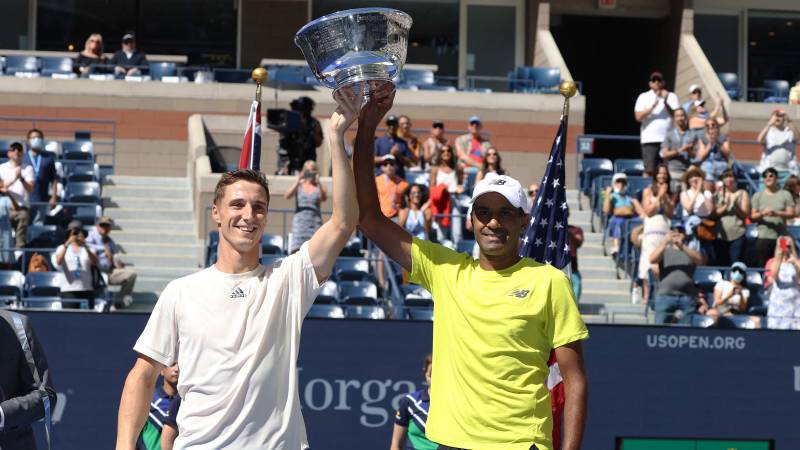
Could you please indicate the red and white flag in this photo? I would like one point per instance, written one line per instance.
(250, 157)
(556, 386)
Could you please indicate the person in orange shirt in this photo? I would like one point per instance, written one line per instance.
(391, 187)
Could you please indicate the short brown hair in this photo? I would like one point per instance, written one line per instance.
(228, 178)
(427, 363)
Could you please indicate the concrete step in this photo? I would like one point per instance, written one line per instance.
(630, 319)
(595, 318)
(124, 180)
(125, 237)
(164, 274)
(625, 309)
(165, 226)
(603, 273)
(171, 247)
(162, 260)
(146, 202)
(606, 296)
(605, 283)
(149, 213)
(144, 191)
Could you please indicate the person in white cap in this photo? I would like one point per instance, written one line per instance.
(496, 320)
(619, 206)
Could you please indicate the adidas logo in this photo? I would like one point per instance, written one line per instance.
(519, 293)
(237, 292)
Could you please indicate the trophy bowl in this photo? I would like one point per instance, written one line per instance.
(353, 47)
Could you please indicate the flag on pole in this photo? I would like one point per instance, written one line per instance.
(546, 240)
(250, 157)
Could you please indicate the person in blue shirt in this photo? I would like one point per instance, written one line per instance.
(619, 206)
(45, 178)
(409, 421)
(163, 395)
(392, 144)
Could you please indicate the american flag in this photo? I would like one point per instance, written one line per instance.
(250, 157)
(546, 239)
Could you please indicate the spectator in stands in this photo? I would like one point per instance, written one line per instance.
(309, 194)
(414, 145)
(731, 208)
(619, 207)
(16, 184)
(731, 296)
(658, 205)
(471, 147)
(492, 163)
(779, 138)
(575, 238)
(653, 110)
(128, 59)
(434, 142)
(698, 206)
(91, 56)
(533, 191)
(678, 148)
(783, 311)
(391, 187)
(698, 115)
(794, 94)
(414, 214)
(412, 413)
(695, 94)
(713, 154)
(38, 263)
(792, 186)
(45, 186)
(675, 297)
(109, 262)
(447, 180)
(770, 209)
(75, 260)
(392, 144)
(163, 395)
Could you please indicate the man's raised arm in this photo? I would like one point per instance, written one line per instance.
(326, 244)
(389, 236)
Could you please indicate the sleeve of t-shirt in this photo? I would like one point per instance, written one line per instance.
(159, 340)
(756, 202)
(641, 103)
(172, 417)
(27, 174)
(427, 258)
(672, 101)
(565, 324)
(401, 417)
(301, 278)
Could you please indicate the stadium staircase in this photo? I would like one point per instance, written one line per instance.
(604, 298)
(154, 225)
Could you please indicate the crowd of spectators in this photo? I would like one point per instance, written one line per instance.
(696, 212)
(127, 61)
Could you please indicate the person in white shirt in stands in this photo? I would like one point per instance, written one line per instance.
(16, 184)
(654, 111)
(234, 328)
(779, 138)
(75, 260)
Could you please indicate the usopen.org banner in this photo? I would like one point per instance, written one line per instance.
(643, 381)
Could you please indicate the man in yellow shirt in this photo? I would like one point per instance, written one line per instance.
(496, 318)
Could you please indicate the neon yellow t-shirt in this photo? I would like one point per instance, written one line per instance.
(492, 336)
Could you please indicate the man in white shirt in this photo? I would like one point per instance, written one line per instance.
(16, 184)
(654, 111)
(234, 328)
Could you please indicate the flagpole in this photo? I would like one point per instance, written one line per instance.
(568, 89)
(260, 76)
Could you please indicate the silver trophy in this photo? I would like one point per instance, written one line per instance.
(356, 48)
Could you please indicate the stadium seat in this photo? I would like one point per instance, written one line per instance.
(21, 64)
(417, 77)
(364, 312)
(630, 167)
(326, 312)
(48, 302)
(700, 321)
(465, 246)
(272, 244)
(592, 168)
(159, 70)
(328, 293)
(518, 80)
(87, 214)
(730, 81)
(416, 296)
(352, 248)
(12, 285)
(44, 236)
(545, 80)
(637, 184)
(81, 171)
(54, 65)
(77, 151)
(425, 314)
(232, 75)
(83, 192)
(43, 284)
(706, 277)
(776, 91)
(351, 269)
(740, 321)
(358, 293)
(417, 177)
(83, 135)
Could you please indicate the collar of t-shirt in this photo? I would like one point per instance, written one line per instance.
(128, 55)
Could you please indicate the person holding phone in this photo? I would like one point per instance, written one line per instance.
(75, 260)
(784, 297)
(731, 296)
(309, 194)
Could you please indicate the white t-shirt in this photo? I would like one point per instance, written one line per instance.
(16, 190)
(699, 207)
(76, 270)
(725, 287)
(236, 339)
(655, 125)
(779, 147)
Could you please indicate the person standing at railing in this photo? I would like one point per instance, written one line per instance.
(732, 208)
(678, 148)
(653, 110)
(45, 185)
(414, 145)
(770, 209)
(92, 55)
(128, 59)
(779, 138)
(434, 142)
(472, 147)
(16, 184)
(309, 194)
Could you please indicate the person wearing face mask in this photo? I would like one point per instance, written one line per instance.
(620, 206)
(731, 296)
(45, 178)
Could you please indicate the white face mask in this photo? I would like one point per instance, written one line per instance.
(737, 277)
(36, 143)
(620, 190)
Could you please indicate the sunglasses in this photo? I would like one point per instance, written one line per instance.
(439, 126)
(712, 126)
(388, 163)
(769, 175)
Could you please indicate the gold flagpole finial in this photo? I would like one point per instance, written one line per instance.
(568, 89)
(260, 76)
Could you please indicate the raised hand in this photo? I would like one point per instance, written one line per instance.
(380, 102)
(347, 111)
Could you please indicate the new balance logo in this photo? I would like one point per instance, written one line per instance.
(519, 293)
(237, 292)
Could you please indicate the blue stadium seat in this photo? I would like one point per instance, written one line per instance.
(518, 80)
(545, 79)
(272, 244)
(17, 63)
(417, 177)
(351, 269)
(592, 168)
(352, 248)
(43, 284)
(83, 192)
(700, 321)
(637, 184)
(425, 314)
(465, 246)
(364, 312)
(417, 77)
(706, 277)
(87, 214)
(738, 321)
(776, 91)
(77, 151)
(630, 167)
(81, 171)
(56, 65)
(358, 293)
(326, 312)
(730, 81)
(328, 293)
(159, 70)
(48, 302)
(12, 285)
(44, 236)
(232, 75)
(416, 296)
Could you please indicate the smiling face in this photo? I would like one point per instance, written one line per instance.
(445, 154)
(498, 224)
(241, 215)
(405, 125)
(679, 116)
